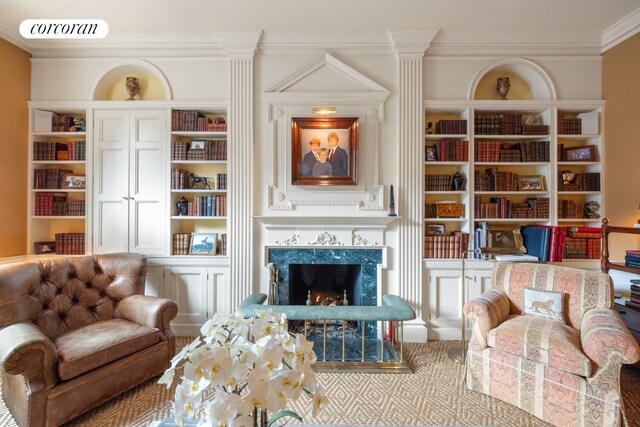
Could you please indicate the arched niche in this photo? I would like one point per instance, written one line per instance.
(528, 81)
(109, 86)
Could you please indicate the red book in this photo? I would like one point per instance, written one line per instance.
(562, 235)
(586, 229)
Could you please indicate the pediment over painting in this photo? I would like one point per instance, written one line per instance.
(326, 74)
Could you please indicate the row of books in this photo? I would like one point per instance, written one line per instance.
(56, 204)
(550, 243)
(569, 126)
(70, 243)
(65, 123)
(446, 246)
(498, 124)
(451, 127)
(208, 206)
(202, 149)
(634, 294)
(441, 182)
(569, 209)
(589, 181)
(449, 151)
(195, 121)
(181, 180)
(52, 150)
(632, 258)
(494, 180)
(49, 178)
(501, 207)
(498, 151)
(181, 244)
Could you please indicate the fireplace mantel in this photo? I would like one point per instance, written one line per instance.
(361, 221)
(364, 230)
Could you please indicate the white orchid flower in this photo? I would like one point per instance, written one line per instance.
(276, 400)
(307, 376)
(257, 396)
(319, 401)
(271, 358)
(243, 421)
(304, 349)
(289, 383)
(215, 364)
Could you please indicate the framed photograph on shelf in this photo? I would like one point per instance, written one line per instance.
(530, 183)
(41, 248)
(73, 182)
(324, 150)
(430, 154)
(505, 239)
(435, 229)
(196, 144)
(585, 153)
(203, 243)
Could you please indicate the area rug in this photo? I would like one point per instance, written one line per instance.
(432, 395)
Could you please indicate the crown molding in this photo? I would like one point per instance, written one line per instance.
(502, 44)
(436, 43)
(131, 46)
(15, 39)
(621, 30)
(305, 43)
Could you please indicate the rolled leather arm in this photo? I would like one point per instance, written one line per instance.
(149, 311)
(487, 311)
(604, 334)
(25, 350)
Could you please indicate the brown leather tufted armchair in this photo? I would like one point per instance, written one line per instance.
(77, 331)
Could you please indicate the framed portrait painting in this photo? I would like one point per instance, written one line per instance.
(324, 150)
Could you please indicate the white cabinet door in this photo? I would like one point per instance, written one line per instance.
(190, 288)
(129, 202)
(445, 303)
(111, 181)
(147, 219)
(445, 315)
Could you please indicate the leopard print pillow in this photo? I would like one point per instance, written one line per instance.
(547, 304)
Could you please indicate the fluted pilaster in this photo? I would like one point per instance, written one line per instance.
(410, 48)
(410, 188)
(241, 47)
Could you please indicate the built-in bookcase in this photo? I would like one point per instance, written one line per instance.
(57, 181)
(523, 163)
(198, 175)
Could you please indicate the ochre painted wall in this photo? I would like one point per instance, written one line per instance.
(15, 91)
(621, 91)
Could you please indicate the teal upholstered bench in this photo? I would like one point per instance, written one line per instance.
(381, 353)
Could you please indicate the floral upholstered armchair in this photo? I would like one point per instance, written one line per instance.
(545, 339)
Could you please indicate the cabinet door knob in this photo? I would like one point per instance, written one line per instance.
(124, 198)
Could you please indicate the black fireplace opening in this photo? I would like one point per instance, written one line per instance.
(325, 284)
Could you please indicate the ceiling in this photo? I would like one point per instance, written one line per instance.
(461, 22)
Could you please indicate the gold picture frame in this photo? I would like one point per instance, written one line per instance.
(322, 134)
(530, 183)
(504, 239)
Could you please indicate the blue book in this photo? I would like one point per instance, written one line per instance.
(536, 240)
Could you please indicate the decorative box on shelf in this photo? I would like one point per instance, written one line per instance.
(449, 210)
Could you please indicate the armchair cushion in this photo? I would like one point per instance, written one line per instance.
(97, 344)
(542, 340)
